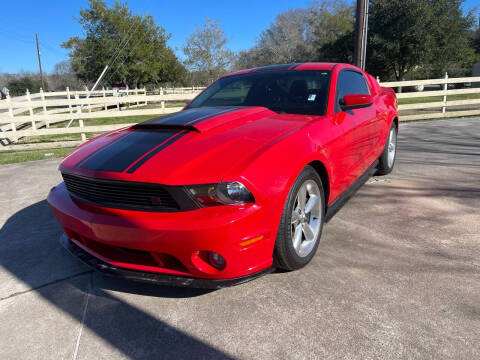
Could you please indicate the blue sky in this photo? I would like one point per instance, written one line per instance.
(54, 21)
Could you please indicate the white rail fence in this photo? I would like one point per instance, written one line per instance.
(34, 114)
(435, 103)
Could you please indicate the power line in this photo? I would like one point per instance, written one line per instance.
(18, 37)
(123, 62)
(126, 43)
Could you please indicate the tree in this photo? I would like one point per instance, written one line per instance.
(339, 50)
(332, 23)
(63, 76)
(206, 51)
(476, 40)
(298, 35)
(250, 58)
(399, 36)
(136, 42)
(418, 38)
(18, 86)
(286, 40)
(452, 51)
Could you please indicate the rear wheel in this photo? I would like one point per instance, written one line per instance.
(302, 222)
(386, 161)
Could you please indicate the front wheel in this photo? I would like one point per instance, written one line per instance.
(302, 222)
(387, 159)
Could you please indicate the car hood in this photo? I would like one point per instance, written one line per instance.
(193, 146)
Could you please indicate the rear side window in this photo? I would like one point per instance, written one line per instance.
(350, 82)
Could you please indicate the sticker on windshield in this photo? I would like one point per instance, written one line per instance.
(312, 97)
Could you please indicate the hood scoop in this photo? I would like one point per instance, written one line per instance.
(199, 119)
(162, 127)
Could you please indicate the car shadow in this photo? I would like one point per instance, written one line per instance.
(31, 252)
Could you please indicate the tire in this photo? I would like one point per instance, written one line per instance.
(386, 161)
(301, 226)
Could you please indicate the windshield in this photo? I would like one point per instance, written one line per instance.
(292, 92)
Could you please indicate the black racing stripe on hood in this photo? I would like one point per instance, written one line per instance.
(155, 151)
(294, 66)
(120, 155)
(223, 112)
(79, 163)
(279, 67)
(186, 117)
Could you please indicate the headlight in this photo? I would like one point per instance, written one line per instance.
(221, 194)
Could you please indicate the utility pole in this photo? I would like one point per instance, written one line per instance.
(361, 29)
(39, 62)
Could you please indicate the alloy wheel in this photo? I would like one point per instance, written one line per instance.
(392, 145)
(306, 218)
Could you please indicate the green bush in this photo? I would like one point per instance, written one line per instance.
(18, 87)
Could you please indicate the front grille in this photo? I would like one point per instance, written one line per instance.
(121, 194)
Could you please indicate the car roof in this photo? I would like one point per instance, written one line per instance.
(291, 67)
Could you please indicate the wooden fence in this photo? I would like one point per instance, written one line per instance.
(33, 114)
(437, 102)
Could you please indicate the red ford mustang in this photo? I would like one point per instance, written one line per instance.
(238, 183)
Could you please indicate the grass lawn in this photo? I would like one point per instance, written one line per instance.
(107, 121)
(88, 122)
(21, 156)
(438, 99)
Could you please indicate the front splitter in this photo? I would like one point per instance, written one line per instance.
(148, 277)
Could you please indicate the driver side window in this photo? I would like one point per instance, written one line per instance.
(349, 82)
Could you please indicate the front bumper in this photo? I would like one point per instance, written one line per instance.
(156, 278)
(167, 247)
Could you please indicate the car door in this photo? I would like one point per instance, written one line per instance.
(357, 124)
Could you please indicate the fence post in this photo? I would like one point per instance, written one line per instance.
(378, 79)
(69, 100)
(104, 96)
(77, 100)
(80, 123)
(89, 103)
(445, 88)
(115, 93)
(163, 100)
(10, 114)
(70, 108)
(30, 109)
(136, 95)
(44, 106)
(145, 93)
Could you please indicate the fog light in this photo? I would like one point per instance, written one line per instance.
(216, 260)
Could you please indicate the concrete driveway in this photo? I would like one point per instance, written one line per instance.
(397, 275)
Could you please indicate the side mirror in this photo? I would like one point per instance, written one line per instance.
(355, 101)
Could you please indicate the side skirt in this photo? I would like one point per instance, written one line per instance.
(347, 194)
